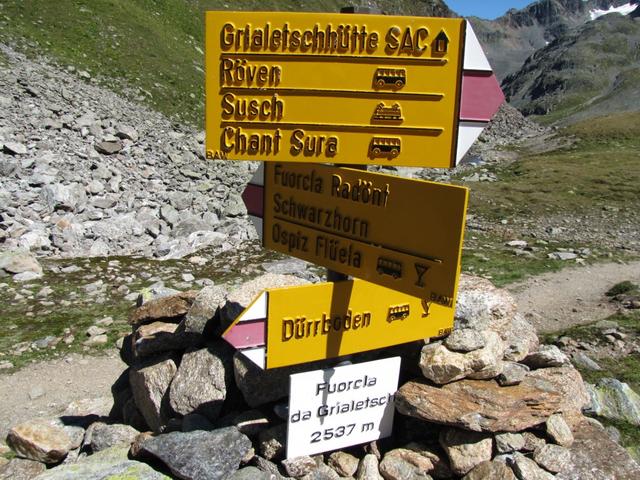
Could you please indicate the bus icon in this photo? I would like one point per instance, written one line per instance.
(389, 267)
(399, 312)
(390, 77)
(385, 147)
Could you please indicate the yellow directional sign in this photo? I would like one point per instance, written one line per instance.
(312, 87)
(328, 320)
(400, 233)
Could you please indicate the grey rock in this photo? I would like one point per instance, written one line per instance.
(158, 337)
(343, 463)
(150, 384)
(481, 306)
(14, 148)
(368, 469)
(611, 398)
(440, 365)
(546, 356)
(180, 200)
(562, 256)
(509, 442)
(199, 384)
(400, 464)
(582, 360)
(465, 450)
(203, 309)
(112, 463)
(235, 206)
(251, 422)
(200, 455)
(532, 442)
(96, 340)
(494, 470)
(250, 473)
(94, 330)
(26, 276)
(105, 436)
(520, 337)
(552, 457)
(169, 214)
(109, 147)
(19, 261)
(527, 469)
(154, 292)
(299, 466)
(464, 340)
(559, 431)
(594, 456)
(64, 197)
(88, 410)
(322, 472)
(512, 374)
(21, 469)
(127, 132)
(272, 442)
(39, 440)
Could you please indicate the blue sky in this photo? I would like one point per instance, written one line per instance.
(489, 9)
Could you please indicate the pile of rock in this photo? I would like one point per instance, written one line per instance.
(487, 402)
(86, 172)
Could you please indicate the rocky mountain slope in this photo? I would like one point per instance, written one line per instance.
(85, 172)
(512, 38)
(590, 71)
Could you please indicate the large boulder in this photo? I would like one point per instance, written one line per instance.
(40, 440)
(465, 450)
(199, 385)
(441, 365)
(481, 306)
(595, 456)
(168, 309)
(200, 455)
(112, 463)
(150, 385)
(480, 405)
(19, 261)
(611, 398)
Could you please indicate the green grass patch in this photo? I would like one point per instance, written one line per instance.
(603, 130)
(488, 256)
(27, 316)
(152, 45)
(568, 182)
(627, 368)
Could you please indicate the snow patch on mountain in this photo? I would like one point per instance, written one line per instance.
(625, 9)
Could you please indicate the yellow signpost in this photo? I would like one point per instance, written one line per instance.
(328, 320)
(400, 233)
(315, 87)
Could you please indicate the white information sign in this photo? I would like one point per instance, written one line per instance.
(342, 406)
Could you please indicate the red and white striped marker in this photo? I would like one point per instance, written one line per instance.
(249, 332)
(481, 95)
